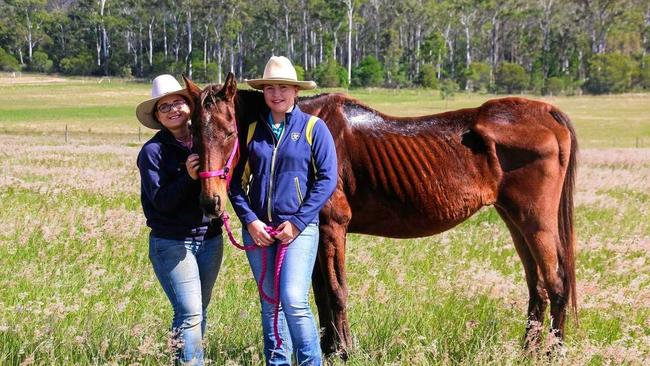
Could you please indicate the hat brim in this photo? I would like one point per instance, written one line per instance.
(259, 83)
(145, 113)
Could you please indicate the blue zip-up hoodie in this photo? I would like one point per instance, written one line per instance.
(169, 196)
(283, 173)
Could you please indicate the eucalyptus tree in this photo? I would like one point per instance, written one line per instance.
(645, 28)
(600, 16)
(449, 34)
(414, 11)
(29, 16)
(467, 13)
(372, 29)
(351, 7)
(392, 44)
(306, 21)
(213, 20)
(106, 17)
(102, 39)
(546, 20)
(11, 41)
(333, 18)
(59, 28)
(138, 19)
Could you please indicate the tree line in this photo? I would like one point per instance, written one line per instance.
(509, 46)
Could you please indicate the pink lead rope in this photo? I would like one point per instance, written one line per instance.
(279, 259)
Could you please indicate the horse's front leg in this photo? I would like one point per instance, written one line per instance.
(331, 288)
(321, 297)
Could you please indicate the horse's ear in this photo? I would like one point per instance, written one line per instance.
(230, 86)
(192, 89)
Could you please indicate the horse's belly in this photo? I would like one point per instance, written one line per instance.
(430, 193)
(409, 219)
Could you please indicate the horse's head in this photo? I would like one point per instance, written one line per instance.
(214, 128)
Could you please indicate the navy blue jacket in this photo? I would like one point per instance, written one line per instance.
(276, 180)
(169, 196)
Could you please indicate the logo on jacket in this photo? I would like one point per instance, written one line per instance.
(295, 136)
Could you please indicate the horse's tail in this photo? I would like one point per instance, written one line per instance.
(565, 214)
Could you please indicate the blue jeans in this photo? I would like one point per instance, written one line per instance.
(295, 317)
(187, 271)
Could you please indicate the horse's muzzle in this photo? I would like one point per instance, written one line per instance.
(211, 206)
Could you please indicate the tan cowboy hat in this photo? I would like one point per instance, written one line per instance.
(162, 85)
(279, 70)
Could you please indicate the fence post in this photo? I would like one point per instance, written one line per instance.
(66, 133)
(139, 133)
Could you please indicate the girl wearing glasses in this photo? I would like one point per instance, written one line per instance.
(185, 247)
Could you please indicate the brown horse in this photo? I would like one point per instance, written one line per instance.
(418, 176)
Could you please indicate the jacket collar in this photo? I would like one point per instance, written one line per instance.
(168, 138)
(289, 117)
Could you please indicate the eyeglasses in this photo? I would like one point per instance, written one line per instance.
(166, 107)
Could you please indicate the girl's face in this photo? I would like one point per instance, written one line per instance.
(173, 112)
(280, 97)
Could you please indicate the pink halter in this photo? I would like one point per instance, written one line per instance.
(222, 173)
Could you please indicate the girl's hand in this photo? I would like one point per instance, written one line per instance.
(287, 232)
(192, 165)
(257, 230)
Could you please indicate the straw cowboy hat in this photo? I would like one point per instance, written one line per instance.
(162, 85)
(279, 70)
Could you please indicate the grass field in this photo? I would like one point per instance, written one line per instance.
(76, 286)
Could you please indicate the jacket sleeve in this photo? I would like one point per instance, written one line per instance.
(239, 187)
(165, 192)
(326, 176)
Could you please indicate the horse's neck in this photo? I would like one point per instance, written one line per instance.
(249, 105)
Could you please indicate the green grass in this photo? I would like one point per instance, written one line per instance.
(76, 285)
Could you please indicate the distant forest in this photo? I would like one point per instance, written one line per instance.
(504, 46)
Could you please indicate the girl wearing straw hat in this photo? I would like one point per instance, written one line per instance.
(294, 172)
(185, 247)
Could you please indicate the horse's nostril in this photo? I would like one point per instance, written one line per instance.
(217, 200)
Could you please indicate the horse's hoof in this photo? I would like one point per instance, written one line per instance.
(557, 350)
(343, 355)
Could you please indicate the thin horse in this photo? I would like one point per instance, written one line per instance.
(418, 176)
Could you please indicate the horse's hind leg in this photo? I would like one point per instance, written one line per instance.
(544, 245)
(321, 297)
(537, 300)
(336, 334)
(533, 209)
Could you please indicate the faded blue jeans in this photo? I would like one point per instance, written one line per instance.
(187, 271)
(296, 323)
